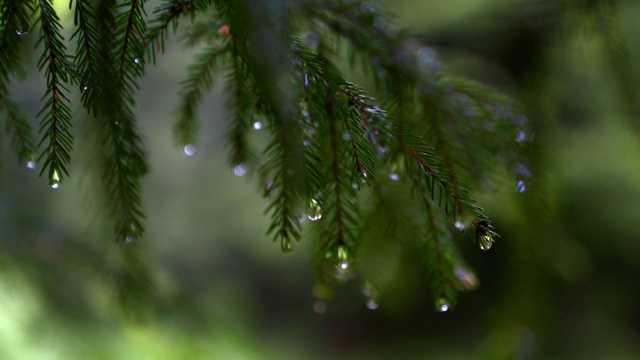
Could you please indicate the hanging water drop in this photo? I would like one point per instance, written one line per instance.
(189, 150)
(521, 136)
(21, 33)
(240, 169)
(485, 242)
(136, 60)
(286, 246)
(257, 125)
(315, 212)
(343, 258)
(55, 180)
(372, 304)
(31, 164)
(394, 177)
(459, 225)
(520, 186)
(85, 88)
(442, 305)
(128, 239)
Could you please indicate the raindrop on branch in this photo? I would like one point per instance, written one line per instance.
(394, 177)
(257, 125)
(240, 169)
(136, 60)
(55, 180)
(520, 186)
(315, 212)
(21, 33)
(189, 150)
(442, 305)
(459, 225)
(31, 164)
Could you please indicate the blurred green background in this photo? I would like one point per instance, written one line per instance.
(563, 281)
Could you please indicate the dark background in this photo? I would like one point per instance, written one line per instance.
(561, 283)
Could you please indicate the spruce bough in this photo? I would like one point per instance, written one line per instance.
(368, 173)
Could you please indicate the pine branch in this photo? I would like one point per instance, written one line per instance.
(199, 79)
(285, 223)
(55, 125)
(425, 164)
(19, 130)
(239, 106)
(167, 15)
(439, 254)
(14, 24)
(87, 57)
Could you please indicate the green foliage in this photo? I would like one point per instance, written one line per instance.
(331, 146)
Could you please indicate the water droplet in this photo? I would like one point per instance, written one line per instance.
(189, 150)
(85, 88)
(136, 60)
(394, 177)
(520, 186)
(346, 136)
(240, 169)
(286, 246)
(128, 239)
(442, 305)
(319, 307)
(372, 304)
(343, 258)
(382, 149)
(31, 164)
(459, 225)
(485, 242)
(354, 185)
(257, 125)
(521, 136)
(55, 180)
(21, 33)
(315, 212)
(305, 142)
